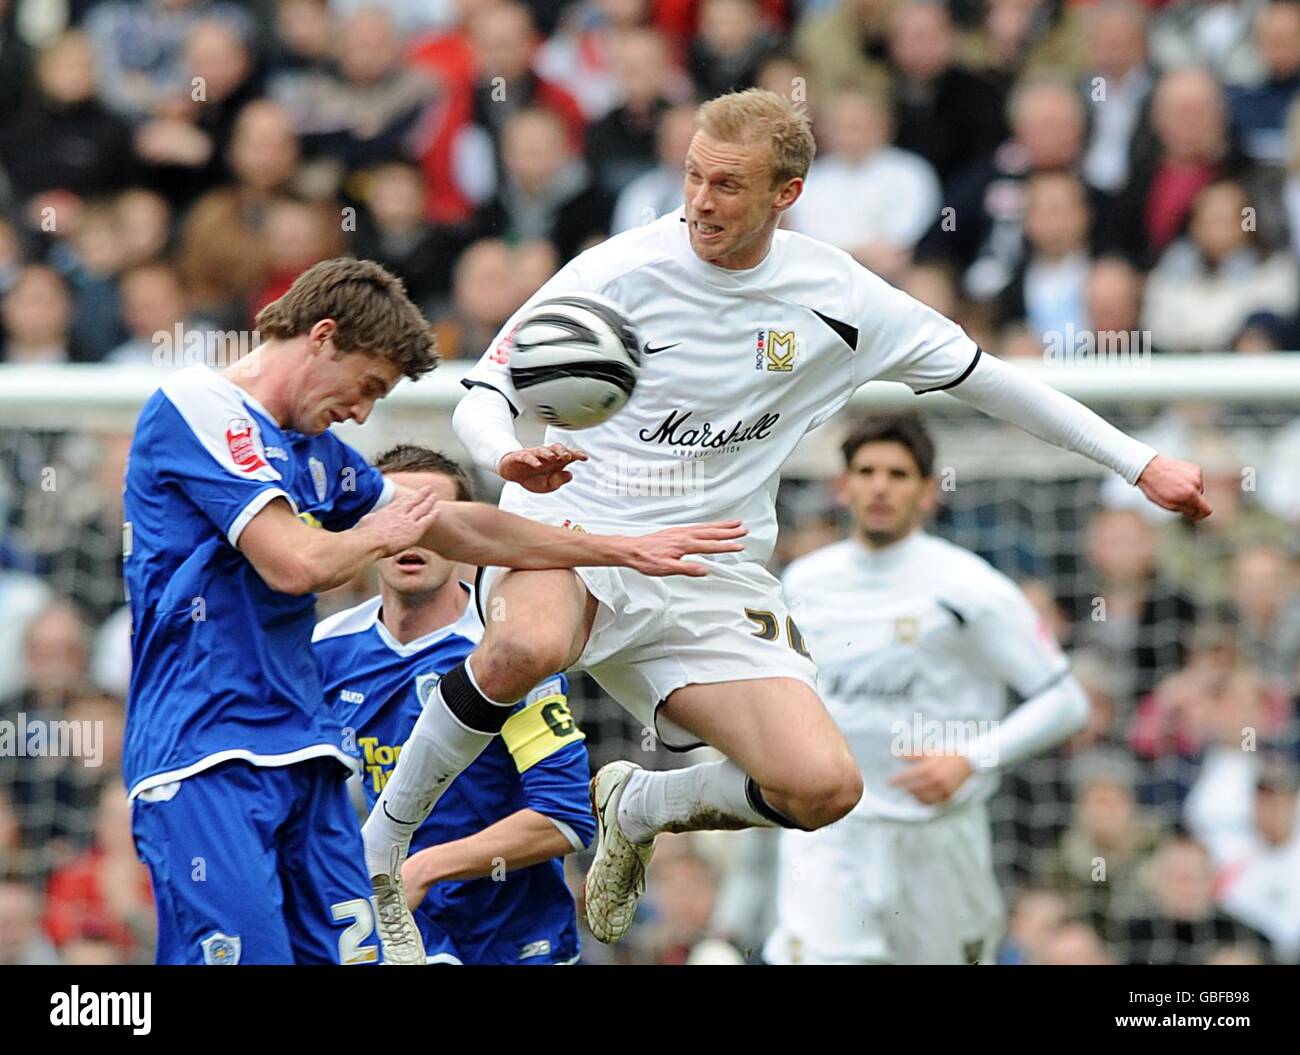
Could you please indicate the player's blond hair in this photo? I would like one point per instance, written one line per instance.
(757, 115)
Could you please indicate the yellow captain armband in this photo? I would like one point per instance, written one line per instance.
(309, 520)
(539, 730)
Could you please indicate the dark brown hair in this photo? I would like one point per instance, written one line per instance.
(411, 458)
(370, 307)
(906, 429)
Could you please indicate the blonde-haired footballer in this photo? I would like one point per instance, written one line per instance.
(753, 336)
(918, 644)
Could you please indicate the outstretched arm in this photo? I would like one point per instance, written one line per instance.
(897, 338)
(296, 559)
(482, 534)
(999, 389)
(484, 424)
(524, 838)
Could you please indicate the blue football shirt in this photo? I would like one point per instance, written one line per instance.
(222, 665)
(379, 686)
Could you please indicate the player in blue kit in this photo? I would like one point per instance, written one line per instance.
(489, 855)
(233, 762)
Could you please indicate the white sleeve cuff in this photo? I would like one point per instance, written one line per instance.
(568, 833)
(484, 425)
(388, 493)
(260, 501)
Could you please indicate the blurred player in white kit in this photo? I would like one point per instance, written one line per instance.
(917, 644)
(752, 336)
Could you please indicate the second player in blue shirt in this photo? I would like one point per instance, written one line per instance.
(490, 854)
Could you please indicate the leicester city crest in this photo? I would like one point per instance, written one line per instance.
(317, 477)
(424, 686)
(221, 949)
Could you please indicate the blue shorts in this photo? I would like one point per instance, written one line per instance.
(259, 864)
(465, 922)
(441, 948)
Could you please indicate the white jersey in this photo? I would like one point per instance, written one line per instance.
(909, 639)
(737, 366)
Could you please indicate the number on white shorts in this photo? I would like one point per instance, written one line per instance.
(769, 629)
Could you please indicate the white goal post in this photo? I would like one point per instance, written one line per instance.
(108, 398)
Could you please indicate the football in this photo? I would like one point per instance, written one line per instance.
(574, 360)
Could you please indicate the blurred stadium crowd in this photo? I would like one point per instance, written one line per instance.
(1034, 169)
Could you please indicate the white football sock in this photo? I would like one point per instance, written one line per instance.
(438, 749)
(697, 798)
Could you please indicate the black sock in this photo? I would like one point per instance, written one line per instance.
(470, 706)
(755, 795)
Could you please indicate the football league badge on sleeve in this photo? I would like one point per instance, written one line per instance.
(906, 627)
(242, 446)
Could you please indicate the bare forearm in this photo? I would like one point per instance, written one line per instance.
(335, 557)
(296, 559)
(481, 534)
(518, 841)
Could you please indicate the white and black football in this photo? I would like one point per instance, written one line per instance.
(574, 359)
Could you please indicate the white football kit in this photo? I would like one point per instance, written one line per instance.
(916, 645)
(736, 367)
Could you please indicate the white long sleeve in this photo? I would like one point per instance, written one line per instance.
(1001, 391)
(1041, 722)
(1009, 639)
(485, 425)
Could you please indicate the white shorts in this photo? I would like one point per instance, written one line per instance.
(651, 636)
(864, 890)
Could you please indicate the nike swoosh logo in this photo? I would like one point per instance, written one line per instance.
(648, 350)
(408, 824)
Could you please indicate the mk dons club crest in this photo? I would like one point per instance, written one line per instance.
(905, 629)
(775, 351)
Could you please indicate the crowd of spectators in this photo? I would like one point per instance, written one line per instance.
(1021, 164)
